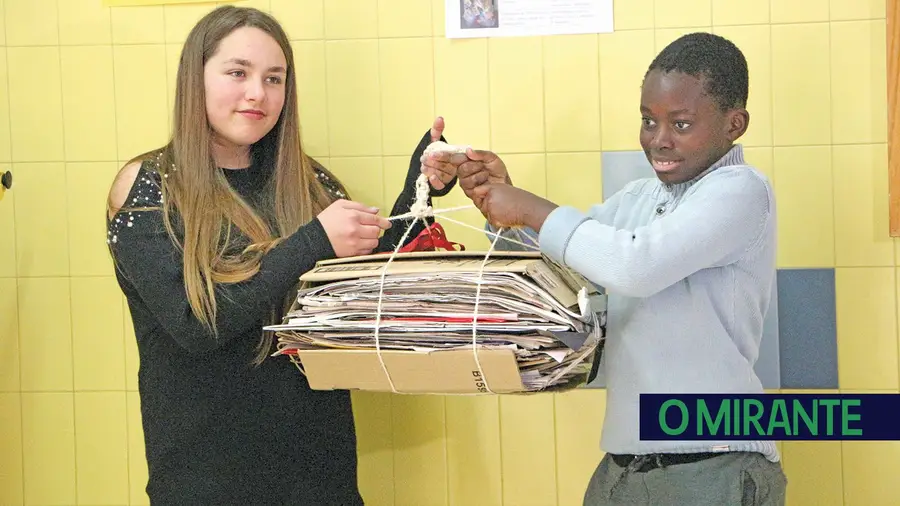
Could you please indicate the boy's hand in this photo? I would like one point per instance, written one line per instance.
(504, 205)
(479, 168)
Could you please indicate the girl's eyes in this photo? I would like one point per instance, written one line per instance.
(241, 74)
(682, 125)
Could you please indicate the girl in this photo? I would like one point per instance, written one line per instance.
(209, 235)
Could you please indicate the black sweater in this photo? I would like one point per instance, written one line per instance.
(218, 430)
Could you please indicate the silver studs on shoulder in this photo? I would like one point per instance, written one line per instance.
(145, 192)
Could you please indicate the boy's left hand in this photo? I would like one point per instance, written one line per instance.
(504, 205)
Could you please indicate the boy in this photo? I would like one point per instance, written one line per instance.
(688, 261)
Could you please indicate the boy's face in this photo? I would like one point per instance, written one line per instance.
(683, 130)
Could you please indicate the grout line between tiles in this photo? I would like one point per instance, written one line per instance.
(490, 134)
(15, 266)
(543, 46)
(68, 259)
(325, 77)
(170, 126)
(831, 144)
(323, 155)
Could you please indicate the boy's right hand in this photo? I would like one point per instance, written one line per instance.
(481, 167)
(352, 228)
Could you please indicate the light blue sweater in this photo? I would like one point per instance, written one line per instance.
(688, 269)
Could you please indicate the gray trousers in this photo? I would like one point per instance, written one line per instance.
(732, 479)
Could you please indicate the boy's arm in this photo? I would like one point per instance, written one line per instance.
(724, 217)
(603, 213)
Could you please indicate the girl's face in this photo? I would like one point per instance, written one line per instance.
(245, 87)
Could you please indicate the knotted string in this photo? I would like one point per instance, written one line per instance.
(420, 210)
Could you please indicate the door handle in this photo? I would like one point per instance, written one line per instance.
(6, 181)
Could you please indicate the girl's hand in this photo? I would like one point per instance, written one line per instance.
(352, 228)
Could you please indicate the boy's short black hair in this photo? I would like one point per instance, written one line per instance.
(713, 59)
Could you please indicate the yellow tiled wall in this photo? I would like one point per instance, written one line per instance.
(85, 87)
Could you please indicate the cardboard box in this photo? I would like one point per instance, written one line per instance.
(442, 372)
(446, 371)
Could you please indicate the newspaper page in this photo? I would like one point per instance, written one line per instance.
(511, 18)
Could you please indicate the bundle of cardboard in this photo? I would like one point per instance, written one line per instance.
(539, 326)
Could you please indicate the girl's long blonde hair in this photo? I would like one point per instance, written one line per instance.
(199, 198)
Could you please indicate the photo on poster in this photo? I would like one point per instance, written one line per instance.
(478, 14)
(523, 18)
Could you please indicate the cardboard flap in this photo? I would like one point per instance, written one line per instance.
(418, 255)
(438, 372)
(374, 267)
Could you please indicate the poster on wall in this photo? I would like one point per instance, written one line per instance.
(132, 3)
(517, 18)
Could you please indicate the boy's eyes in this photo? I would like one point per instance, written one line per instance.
(679, 125)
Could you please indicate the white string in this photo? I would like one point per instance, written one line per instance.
(478, 283)
(420, 207)
(380, 298)
(492, 234)
(420, 210)
(431, 212)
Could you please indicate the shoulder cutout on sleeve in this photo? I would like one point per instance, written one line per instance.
(136, 189)
(121, 187)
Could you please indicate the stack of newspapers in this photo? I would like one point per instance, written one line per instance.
(539, 326)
